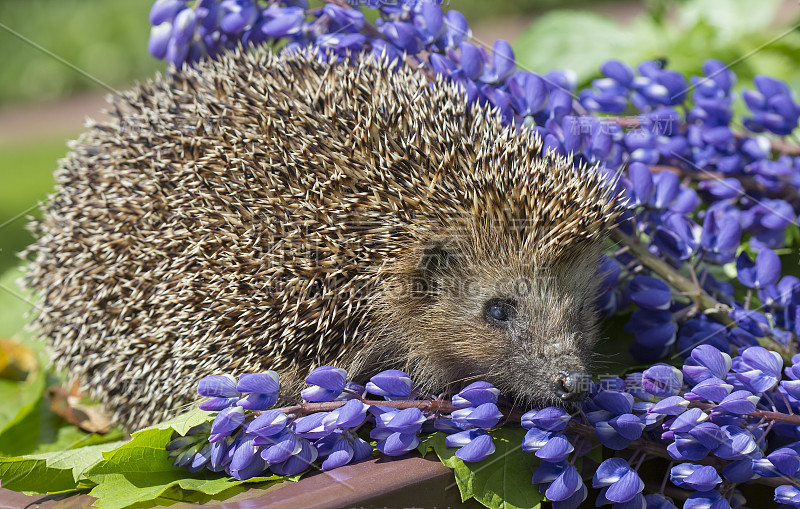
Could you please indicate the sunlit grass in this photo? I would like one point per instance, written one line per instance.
(27, 179)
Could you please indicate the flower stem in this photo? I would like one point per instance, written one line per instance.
(710, 306)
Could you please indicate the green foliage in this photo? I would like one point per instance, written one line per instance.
(105, 39)
(737, 32)
(42, 453)
(51, 472)
(122, 474)
(501, 481)
(139, 472)
(27, 424)
(27, 179)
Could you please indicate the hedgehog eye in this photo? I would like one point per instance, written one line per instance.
(499, 311)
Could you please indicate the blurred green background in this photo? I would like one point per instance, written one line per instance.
(44, 99)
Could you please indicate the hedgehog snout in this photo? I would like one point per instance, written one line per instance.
(571, 385)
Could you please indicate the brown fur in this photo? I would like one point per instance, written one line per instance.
(279, 212)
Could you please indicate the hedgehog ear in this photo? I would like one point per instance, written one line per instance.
(437, 260)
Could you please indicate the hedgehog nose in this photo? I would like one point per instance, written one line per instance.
(571, 385)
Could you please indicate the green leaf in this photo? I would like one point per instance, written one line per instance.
(142, 489)
(501, 481)
(42, 430)
(51, 472)
(426, 444)
(730, 19)
(558, 40)
(31, 473)
(20, 399)
(184, 422)
(140, 474)
(15, 303)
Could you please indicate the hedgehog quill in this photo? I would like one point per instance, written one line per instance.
(266, 211)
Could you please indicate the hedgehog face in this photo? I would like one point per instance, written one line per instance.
(488, 314)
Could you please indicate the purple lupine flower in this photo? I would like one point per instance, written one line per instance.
(327, 383)
(429, 22)
(402, 35)
(339, 449)
(474, 444)
(667, 187)
(556, 449)
(315, 426)
(218, 458)
(659, 501)
(396, 431)
(500, 65)
(737, 444)
(267, 424)
(391, 383)
(245, 452)
(456, 29)
(350, 415)
(716, 362)
(739, 470)
(281, 21)
(237, 15)
(614, 401)
(221, 389)
(299, 460)
(396, 444)
(226, 422)
(620, 483)
(610, 437)
(766, 361)
(158, 41)
(165, 10)
(652, 329)
(721, 235)
(528, 93)
(471, 59)
(688, 420)
(629, 426)
(685, 447)
(280, 447)
(678, 237)
(697, 331)
(788, 494)
(772, 106)
(547, 472)
(740, 402)
(673, 405)
(535, 439)
(710, 389)
(548, 418)
(785, 461)
(662, 380)
(721, 189)
(261, 388)
(650, 293)
(344, 19)
(706, 500)
(693, 476)
(574, 501)
(408, 420)
(764, 272)
(484, 416)
(642, 183)
(565, 485)
(618, 71)
(476, 394)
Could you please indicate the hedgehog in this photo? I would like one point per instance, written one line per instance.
(285, 211)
